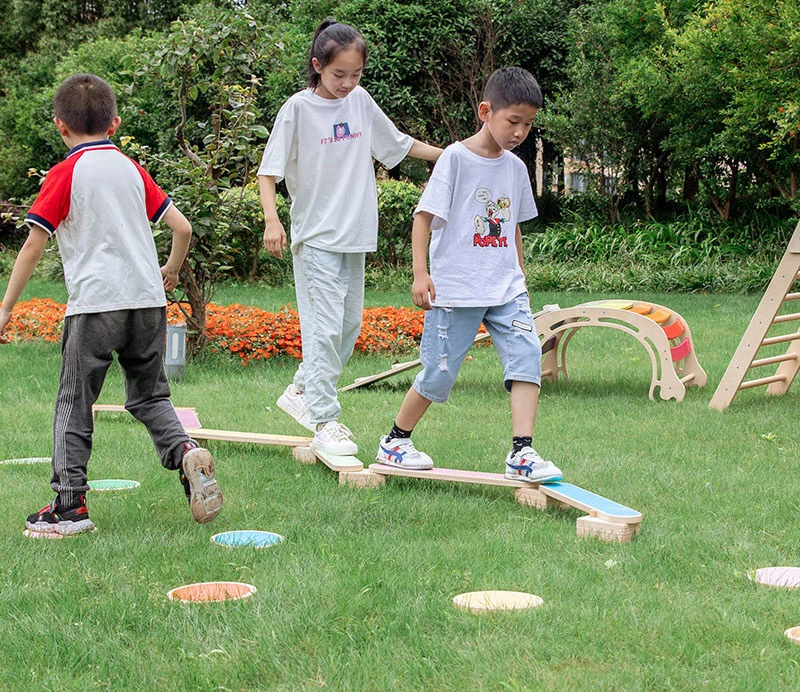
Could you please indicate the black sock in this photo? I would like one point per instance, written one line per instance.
(520, 442)
(398, 432)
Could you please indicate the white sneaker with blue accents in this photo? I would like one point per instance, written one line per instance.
(527, 465)
(402, 453)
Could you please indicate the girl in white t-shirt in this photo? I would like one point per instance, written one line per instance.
(322, 144)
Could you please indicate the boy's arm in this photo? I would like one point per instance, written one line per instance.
(423, 292)
(181, 235)
(274, 233)
(426, 152)
(27, 259)
(518, 243)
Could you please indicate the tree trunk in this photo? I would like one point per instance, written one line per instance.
(196, 317)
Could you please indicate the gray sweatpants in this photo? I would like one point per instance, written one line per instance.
(139, 338)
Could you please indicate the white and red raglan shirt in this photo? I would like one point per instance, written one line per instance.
(99, 204)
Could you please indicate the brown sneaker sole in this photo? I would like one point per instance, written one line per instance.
(205, 497)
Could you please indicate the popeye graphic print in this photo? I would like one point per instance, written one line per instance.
(490, 221)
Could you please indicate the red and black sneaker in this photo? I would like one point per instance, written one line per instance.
(66, 521)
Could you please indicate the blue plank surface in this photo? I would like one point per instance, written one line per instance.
(589, 501)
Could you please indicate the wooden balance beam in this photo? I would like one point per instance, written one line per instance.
(606, 519)
(191, 423)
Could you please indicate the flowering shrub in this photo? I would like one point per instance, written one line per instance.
(40, 318)
(247, 332)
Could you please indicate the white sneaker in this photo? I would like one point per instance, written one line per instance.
(293, 403)
(334, 438)
(401, 452)
(527, 465)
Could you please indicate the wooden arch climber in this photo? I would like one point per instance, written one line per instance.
(663, 332)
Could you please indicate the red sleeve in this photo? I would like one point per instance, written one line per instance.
(155, 199)
(51, 207)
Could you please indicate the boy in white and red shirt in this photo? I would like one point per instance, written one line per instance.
(99, 204)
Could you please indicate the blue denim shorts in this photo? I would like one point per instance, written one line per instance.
(449, 333)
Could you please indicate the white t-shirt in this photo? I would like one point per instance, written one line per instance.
(476, 203)
(324, 150)
(99, 204)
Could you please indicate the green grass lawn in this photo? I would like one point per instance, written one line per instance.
(359, 595)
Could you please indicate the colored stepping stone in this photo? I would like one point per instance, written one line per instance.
(112, 484)
(211, 591)
(497, 600)
(250, 539)
(786, 577)
(44, 534)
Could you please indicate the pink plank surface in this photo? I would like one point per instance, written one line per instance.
(454, 475)
(188, 417)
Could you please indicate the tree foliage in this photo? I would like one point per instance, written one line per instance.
(209, 68)
(684, 98)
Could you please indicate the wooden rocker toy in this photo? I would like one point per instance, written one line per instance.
(663, 333)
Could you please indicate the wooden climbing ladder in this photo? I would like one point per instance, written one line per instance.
(756, 336)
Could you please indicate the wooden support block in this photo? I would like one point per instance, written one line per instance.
(532, 497)
(304, 455)
(594, 527)
(362, 479)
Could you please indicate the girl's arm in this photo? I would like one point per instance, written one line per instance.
(274, 233)
(426, 152)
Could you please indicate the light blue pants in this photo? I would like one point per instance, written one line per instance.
(449, 332)
(330, 299)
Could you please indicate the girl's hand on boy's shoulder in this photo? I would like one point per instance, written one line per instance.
(274, 238)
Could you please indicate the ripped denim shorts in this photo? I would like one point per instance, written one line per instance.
(448, 335)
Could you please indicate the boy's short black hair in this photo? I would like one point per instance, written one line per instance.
(86, 104)
(509, 86)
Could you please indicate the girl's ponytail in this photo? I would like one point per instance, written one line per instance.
(330, 38)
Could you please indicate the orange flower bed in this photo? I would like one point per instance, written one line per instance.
(40, 318)
(247, 332)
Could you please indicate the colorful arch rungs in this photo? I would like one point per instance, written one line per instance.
(662, 331)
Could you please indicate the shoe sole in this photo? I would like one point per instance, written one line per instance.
(322, 450)
(64, 528)
(410, 467)
(205, 496)
(287, 408)
(529, 479)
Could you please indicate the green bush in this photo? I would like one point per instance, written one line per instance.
(396, 203)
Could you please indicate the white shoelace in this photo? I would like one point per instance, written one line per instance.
(337, 431)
